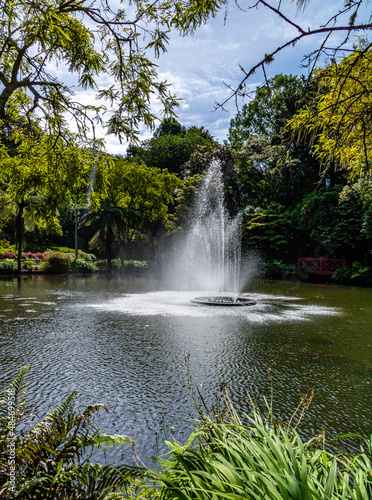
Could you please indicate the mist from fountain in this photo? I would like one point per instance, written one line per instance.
(208, 255)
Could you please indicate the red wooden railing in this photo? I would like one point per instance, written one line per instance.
(321, 266)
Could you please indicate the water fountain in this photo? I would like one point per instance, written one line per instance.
(208, 254)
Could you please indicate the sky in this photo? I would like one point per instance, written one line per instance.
(198, 67)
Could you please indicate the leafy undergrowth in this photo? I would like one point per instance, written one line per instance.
(256, 459)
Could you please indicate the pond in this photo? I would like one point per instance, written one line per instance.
(124, 343)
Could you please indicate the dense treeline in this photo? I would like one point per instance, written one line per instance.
(303, 186)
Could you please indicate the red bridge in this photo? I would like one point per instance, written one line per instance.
(321, 266)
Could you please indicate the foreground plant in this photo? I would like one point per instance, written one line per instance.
(52, 459)
(256, 458)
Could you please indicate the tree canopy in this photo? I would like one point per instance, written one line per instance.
(171, 147)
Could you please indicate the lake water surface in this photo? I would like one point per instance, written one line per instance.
(124, 343)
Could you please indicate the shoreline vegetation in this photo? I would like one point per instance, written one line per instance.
(227, 456)
(61, 260)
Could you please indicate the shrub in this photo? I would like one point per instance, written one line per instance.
(8, 267)
(58, 262)
(40, 255)
(357, 274)
(129, 264)
(30, 255)
(136, 264)
(85, 266)
(28, 264)
(81, 254)
(100, 263)
(276, 269)
(8, 255)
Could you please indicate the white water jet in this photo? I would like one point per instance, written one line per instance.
(208, 255)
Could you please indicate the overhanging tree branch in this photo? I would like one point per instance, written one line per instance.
(309, 61)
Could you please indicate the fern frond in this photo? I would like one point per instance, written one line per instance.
(63, 409)
(13, 400)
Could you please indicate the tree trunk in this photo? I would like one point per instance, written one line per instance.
(109, 247)
(19, 231)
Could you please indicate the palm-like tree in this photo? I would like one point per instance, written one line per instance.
(109, 222)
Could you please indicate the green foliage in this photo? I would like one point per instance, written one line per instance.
(5, 246)
(136, 264)
(8, 266)
(93, 44)
(268, 230)
(357, 274)
(338, 218)
(277, 269)
(108, 222)
(338, 120)
(267, 114)
(170, 151)
(128, 264)
(58, 262)
(40, 173)
(52, 459)
(85, 266)
(271, 166)
(82, 255)
(267, 171)
(169, 126)
(135, 207)
(255, 458)
(184, 202)
(226, 457)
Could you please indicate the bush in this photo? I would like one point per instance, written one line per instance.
(8, 267)
(30, 255)
(85, 266)
(5, 246)
(40, 255)
(28, 264)
(129, 264)
(81, 254)
(356, 274)
(58, 262)
(136, 264)
(8, 255)
(276, 269)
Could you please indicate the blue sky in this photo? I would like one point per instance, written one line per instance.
(197, 66)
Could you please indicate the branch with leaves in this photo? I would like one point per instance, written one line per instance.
(99, 46)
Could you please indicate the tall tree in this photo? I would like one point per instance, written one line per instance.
(267, 114)
(135, 204)
(270, 163)
(42, 173)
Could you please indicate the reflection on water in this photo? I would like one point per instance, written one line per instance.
(124, 343)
